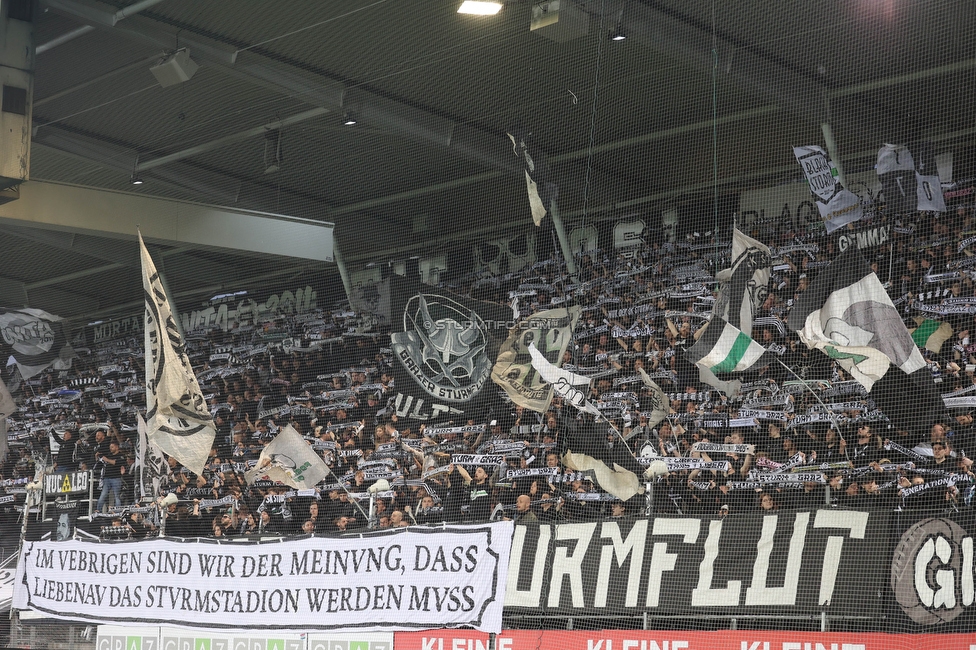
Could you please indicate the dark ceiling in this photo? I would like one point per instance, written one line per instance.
(428, 165)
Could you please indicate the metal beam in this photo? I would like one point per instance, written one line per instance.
(229, 139)
(475, 144)
(121, 14)
(116, 214)
(569, 156)
(218, 186)
(135, 65)
(646, 138)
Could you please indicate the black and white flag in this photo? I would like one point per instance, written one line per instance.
(910, 185)
(563, 382)
(177, 416)
(372, 299)
(744, 285)
(444, 346)
(896, 170)
(541, 190)
(838, 207)
(551, 332)
(36, 339)
(929, 187)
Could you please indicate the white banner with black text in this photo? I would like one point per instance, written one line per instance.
(417, 579)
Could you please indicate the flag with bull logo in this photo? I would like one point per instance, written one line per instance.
(444, 346)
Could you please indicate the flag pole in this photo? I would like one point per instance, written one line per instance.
(831, 413)
(349, 494)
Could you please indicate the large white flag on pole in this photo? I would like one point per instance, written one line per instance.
(178, 420)
(290, 460)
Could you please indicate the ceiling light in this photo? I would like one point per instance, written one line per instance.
(135, 179)
(349, 119)
(479, 8)
(618, 34)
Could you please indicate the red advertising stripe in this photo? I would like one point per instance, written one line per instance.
(678, 640)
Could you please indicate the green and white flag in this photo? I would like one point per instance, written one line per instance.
(847, 314)
(931, 334)
(288, 459)
(724, 349)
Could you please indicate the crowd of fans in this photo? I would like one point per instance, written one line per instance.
(330, 376)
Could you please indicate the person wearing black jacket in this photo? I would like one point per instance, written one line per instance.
(65, 461)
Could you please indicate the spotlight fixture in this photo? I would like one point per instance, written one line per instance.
(135, 179)
(174, 68)
(618, 34)
(479, 8)
(349, 119)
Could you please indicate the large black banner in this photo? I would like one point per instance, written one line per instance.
(444, 346)
(787, 563)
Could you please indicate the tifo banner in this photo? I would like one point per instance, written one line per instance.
(678, 640)
(224, 314)
(418, 579)
(785, 563)
(444, 347)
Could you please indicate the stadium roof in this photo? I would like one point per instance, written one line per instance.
(627, 125)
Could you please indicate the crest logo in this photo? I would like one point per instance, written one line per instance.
(442, 346)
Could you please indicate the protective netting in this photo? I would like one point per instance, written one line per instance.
(701, 332)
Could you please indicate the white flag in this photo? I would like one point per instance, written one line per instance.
(662, 405)
(838, 207)
(290, 460)
(563, 381)
(928, 184)
(153, 468)
(178, 420)
(7, 404)
(620, 482)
